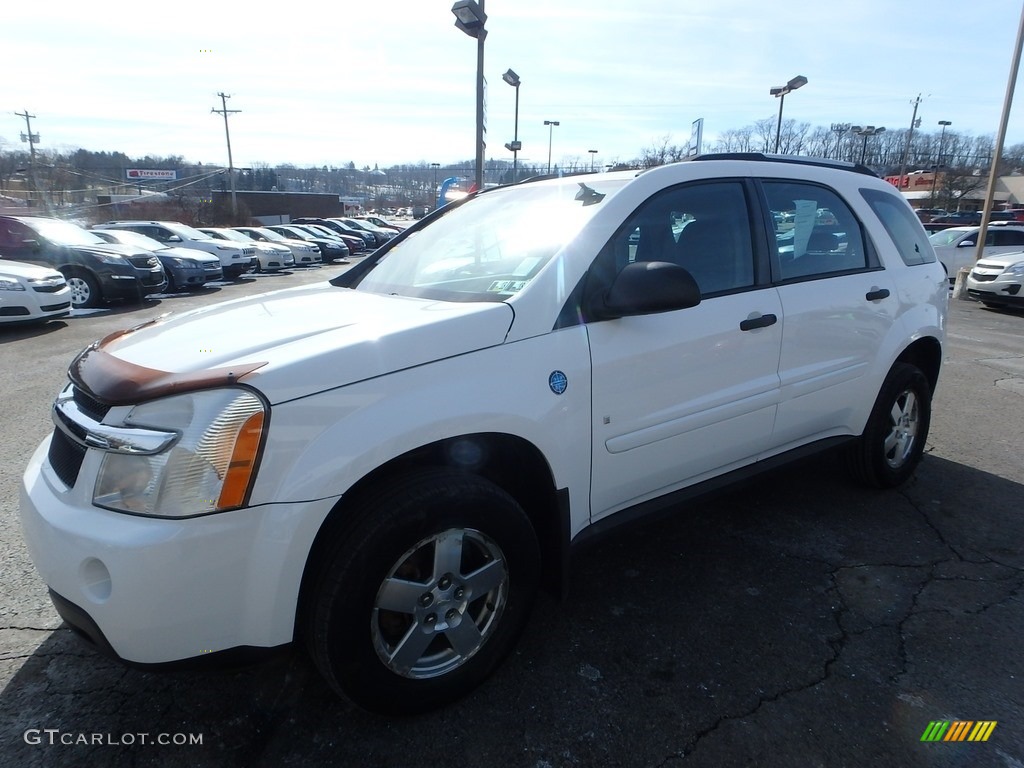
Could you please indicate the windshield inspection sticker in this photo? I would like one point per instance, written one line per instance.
(558, 382)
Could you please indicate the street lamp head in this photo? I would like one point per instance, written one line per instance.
(944, 123)
(470, 17)
(781, 90)
(511, 78)
(550, 122)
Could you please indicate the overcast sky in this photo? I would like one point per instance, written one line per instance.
(387, 83)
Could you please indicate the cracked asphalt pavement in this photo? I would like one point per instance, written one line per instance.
(797, 620)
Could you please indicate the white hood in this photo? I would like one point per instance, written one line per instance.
(21, 269)
(314, 338)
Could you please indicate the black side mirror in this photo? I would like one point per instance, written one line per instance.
(648, 287)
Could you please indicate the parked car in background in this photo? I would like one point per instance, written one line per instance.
(369, 242)
(270, 257)
(998, 280)
(304, 253)
(31, 294)
(235, 258)
(380, 223)
(957, 246)
(329, 249)
(96, 271)
(186, 268)
(380, 236)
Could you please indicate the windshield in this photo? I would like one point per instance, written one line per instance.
(946, 236)
(271, 235)
(230, 234)
(64, 233)
(491, 247)
(135, 238)
(185, 232)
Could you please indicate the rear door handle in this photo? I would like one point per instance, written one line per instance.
(753, 323)
(877, 294)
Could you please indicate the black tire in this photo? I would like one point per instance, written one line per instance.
(894, 438)
(85, 290)
(396, 630)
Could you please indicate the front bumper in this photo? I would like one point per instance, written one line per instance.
(996, 289)
(163, 590)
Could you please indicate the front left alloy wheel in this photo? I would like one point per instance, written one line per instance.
(426, 594)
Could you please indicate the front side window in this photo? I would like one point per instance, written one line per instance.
(702, 227)
(816, 233)
(1006, 237)
(491, 247)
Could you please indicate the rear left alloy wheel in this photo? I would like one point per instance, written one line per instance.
(893, 441)
(426, 595)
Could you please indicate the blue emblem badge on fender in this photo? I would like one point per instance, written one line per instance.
(558, 382)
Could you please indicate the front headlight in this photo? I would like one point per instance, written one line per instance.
(209, 468)
(1017, 270)
(179, 262)
(108, 258)
(7, 284)
(226, 248)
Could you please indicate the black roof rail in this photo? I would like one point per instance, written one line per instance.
(793, 159)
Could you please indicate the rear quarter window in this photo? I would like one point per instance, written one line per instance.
(903, 226)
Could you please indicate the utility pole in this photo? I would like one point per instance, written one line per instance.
(231, 166)
(910, 135)
(31, 138)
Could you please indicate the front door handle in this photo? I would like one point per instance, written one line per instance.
(877, 294)
(763, 321)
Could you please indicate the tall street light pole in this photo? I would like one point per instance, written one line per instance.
(993, 175)
(866, 131)
(551, 129)
(780, 92)
(839, 129)
(938, 162)
(231, 166)
(593, 153)
(470, 18)
(515, 145)
(433, 192)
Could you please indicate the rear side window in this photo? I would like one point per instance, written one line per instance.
(816, 233)
(903, 227)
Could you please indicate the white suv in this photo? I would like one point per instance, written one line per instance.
(387, 465)
(235, 258)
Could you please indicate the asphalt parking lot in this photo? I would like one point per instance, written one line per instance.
(798, 621)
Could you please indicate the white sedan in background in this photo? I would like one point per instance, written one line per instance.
(30, 293)
(270, 257)
(305, 254)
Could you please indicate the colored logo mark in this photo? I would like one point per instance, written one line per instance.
(558, 382)
(959, 730)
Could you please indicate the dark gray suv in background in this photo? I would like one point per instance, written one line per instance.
(96, 271)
